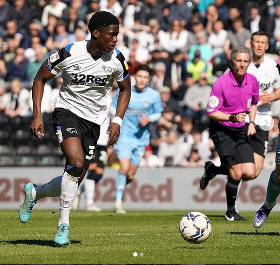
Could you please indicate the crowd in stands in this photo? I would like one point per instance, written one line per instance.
(185, 42)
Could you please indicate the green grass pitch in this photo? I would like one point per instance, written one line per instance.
(108, 238)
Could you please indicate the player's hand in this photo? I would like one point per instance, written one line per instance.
(144, 120)
(265, 97)
(114, 132)
(240, 117)
(251, 129)
(37, 127)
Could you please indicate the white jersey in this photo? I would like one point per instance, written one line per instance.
(268, 78)
(86, 82)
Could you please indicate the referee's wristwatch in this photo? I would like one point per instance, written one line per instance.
(232, 118)
(252, 122)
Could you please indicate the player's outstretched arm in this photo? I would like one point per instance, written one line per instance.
(42, 76)
(123, 101)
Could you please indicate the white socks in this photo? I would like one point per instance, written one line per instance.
(69, 186)
(89, 189)
(50, 189)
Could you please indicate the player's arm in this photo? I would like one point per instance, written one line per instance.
(42, 76)
(266, 97)
(122, 104)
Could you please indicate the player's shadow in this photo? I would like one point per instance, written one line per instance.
(49, 243)
(256, 233)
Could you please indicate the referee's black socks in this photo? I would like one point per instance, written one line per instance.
(231, 192)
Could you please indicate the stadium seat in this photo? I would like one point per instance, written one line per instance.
(7, 150)
(28, 161)
(7, 161)
(47, 161)
(25, 150)
(21, 137)
(5, 138)
(44, 150)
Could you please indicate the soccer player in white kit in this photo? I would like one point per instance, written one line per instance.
(88, 69)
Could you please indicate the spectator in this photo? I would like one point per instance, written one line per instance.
(152, 9)
(30, 53)
(180, 11)
(193, 160)
(157, 54)
(12, 30)
(21, 14)
(36, 7)
(223, 9)
(79, 7)
(4, 10)
(255, 22)
(149, 160)
(169, 119)
(233, 13)
(50, 28)
(33, 67)
(239, 36)
(196, 99)
(9, 53)
(186, 138)
(132, 63)
(16, 100)
(159, 79)
(131, 13)
(202, 7)
(60, 39)
(211, 17)
(93, 6)
(175, 73)
(204, 48)
(141, 53)
(73, 21)
(35, 30)
(195, 67)
(168, 101)
(274, 29)
(78, 35)
(112, 6)
(217, 39)
(17, 69)
(55, 7)
(168, 150)
(2, 95)
(175, 38)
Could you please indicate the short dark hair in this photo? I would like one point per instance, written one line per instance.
(143, 67)
(102, 19)
(260, 33)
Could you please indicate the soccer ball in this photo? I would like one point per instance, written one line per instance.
(195, 227)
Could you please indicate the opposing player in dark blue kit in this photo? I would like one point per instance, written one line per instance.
(88, 70)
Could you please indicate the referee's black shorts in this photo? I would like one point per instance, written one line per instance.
(66, 124)
(232, 144)
(259, 141)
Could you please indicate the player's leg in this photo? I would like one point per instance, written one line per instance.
(234, 179)
(34, 192)
(272, 192)
(95, 173)
(220, 138)
(74, 169)
(120, 183)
